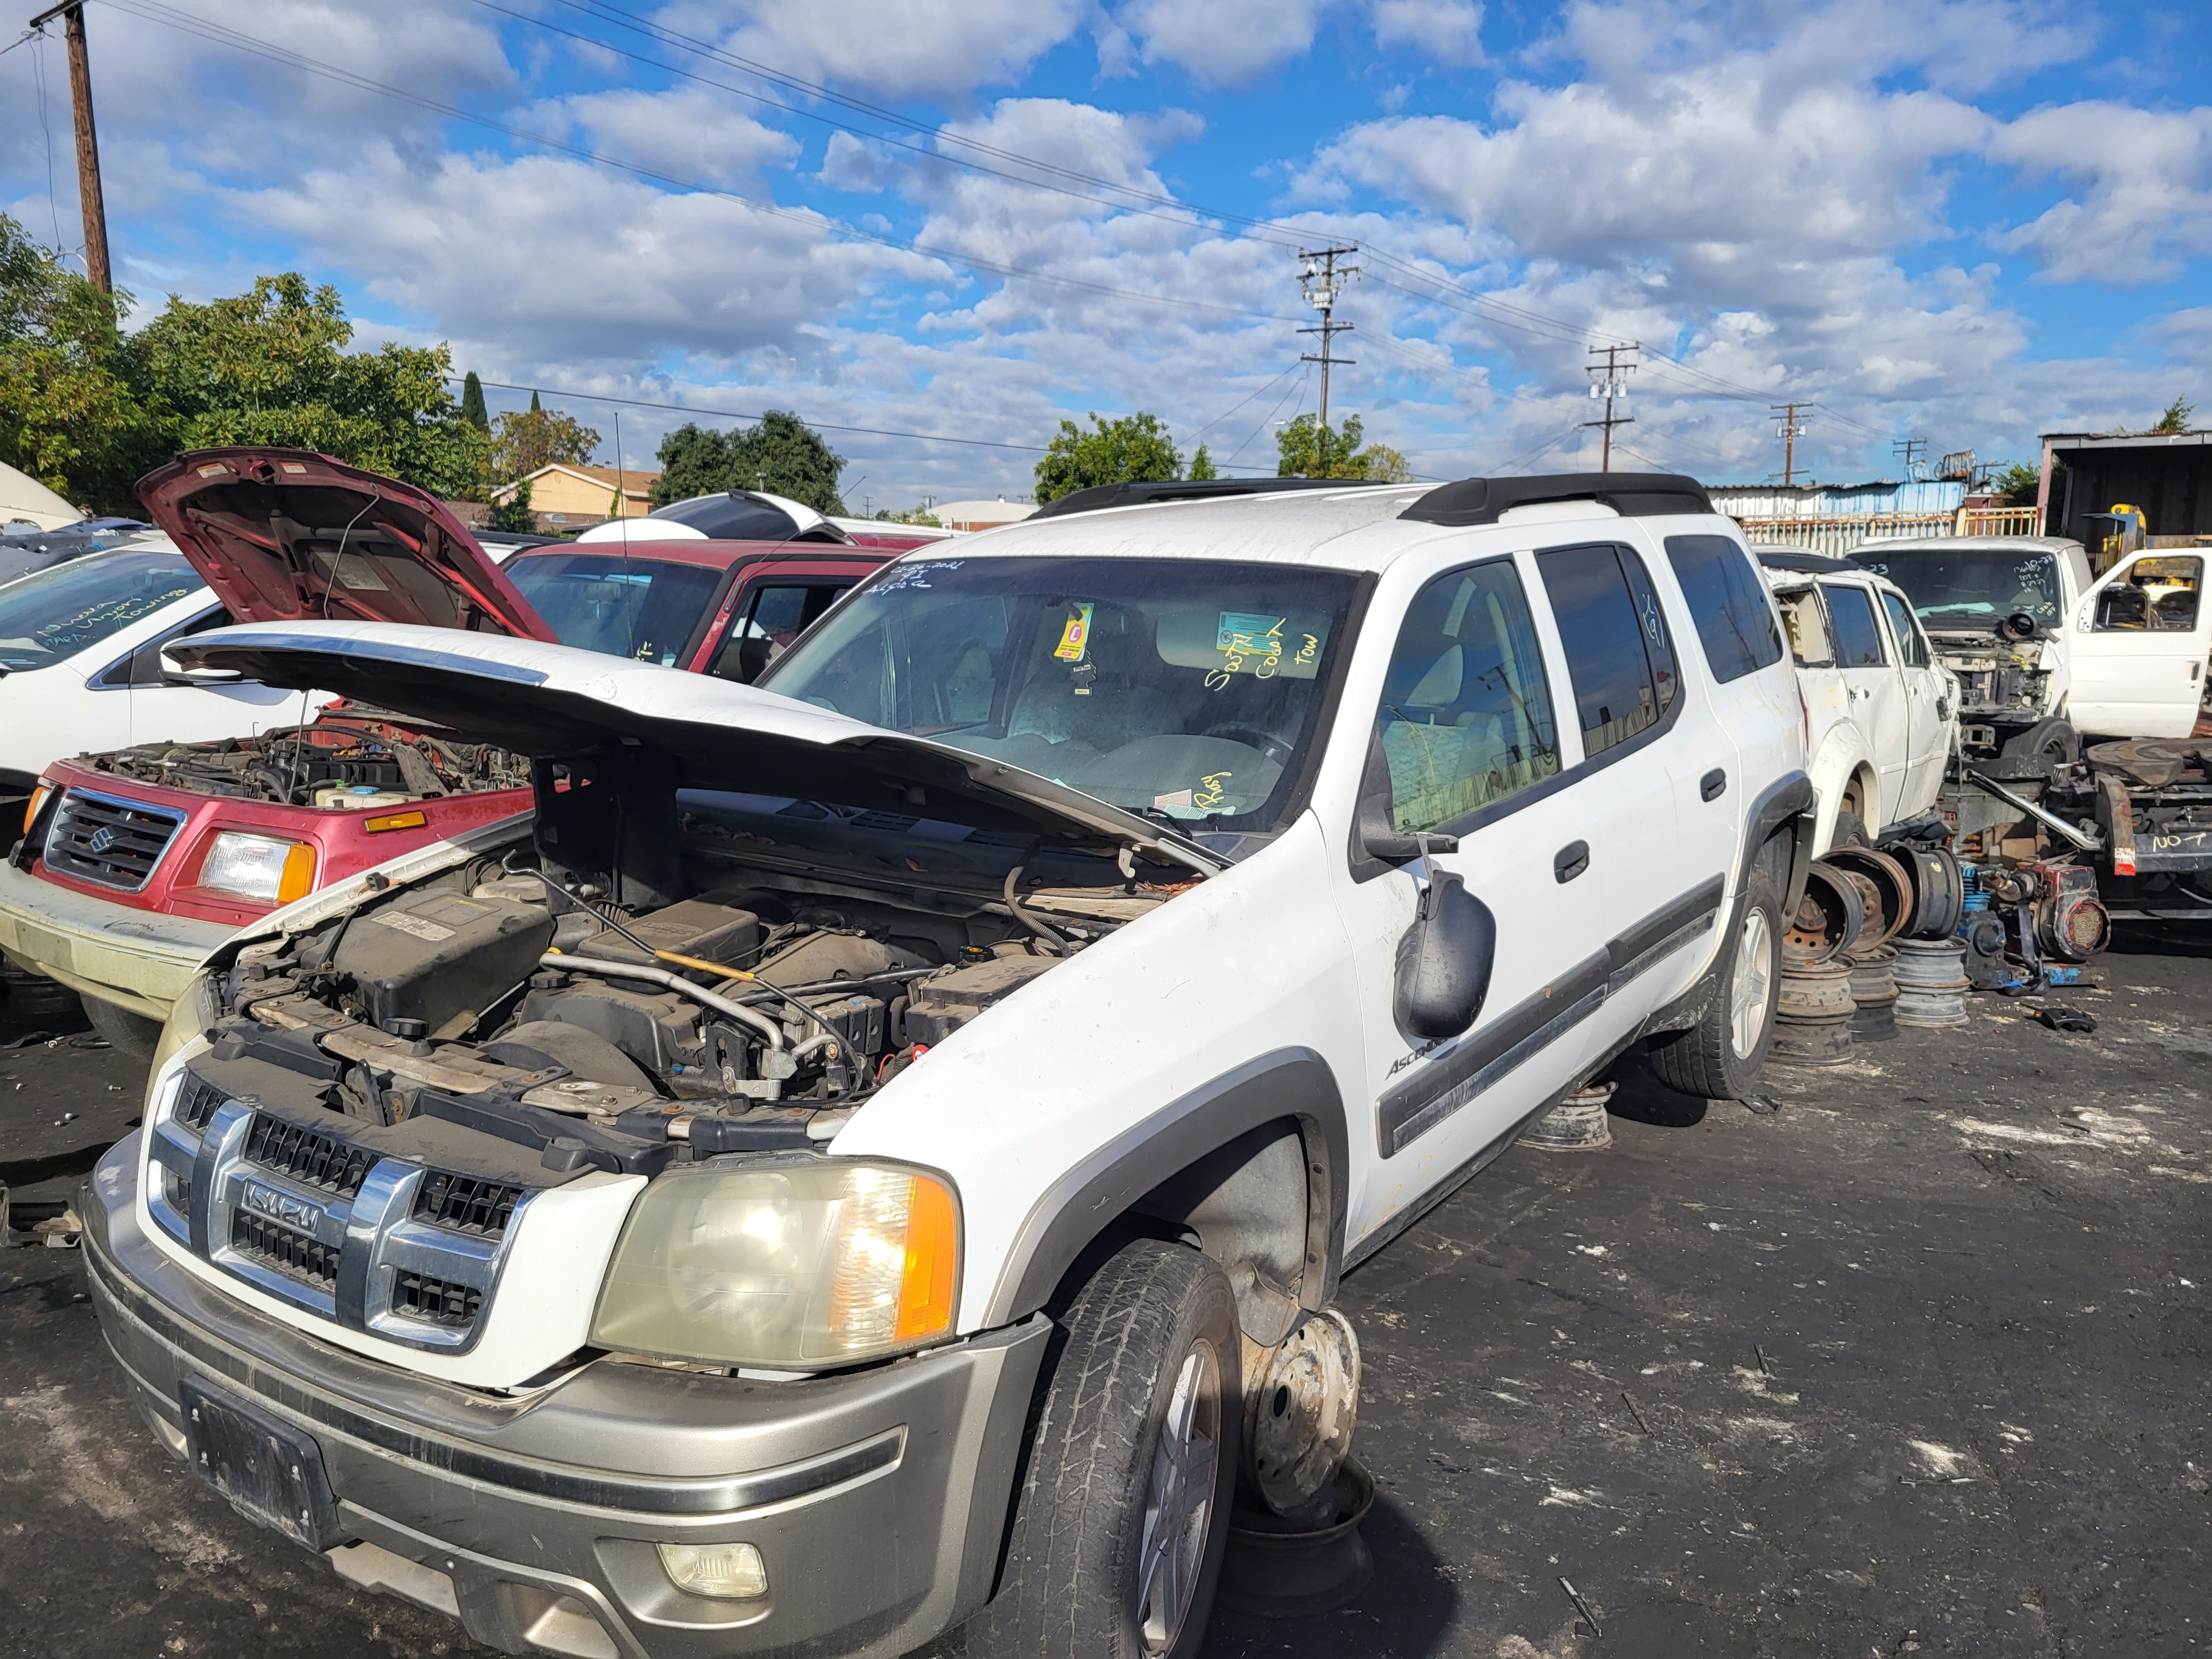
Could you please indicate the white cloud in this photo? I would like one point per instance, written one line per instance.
(1447, 32)
(2146, 190)
(688, 134)
(545, 261)
(1223, 42)
(944, 49)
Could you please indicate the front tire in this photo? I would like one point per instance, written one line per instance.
(126, 1033)
(1122, 1516)
(1722, 1056)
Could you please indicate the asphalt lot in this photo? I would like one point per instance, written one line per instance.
(1916, 1363)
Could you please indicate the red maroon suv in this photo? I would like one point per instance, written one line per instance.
(135, 862)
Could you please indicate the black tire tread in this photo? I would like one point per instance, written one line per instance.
(1090, 1435)
(1702, 1061)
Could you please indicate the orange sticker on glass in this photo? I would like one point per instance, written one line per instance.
(1075, 637)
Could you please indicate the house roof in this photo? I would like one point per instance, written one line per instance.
(2197, 437)
(635, 483)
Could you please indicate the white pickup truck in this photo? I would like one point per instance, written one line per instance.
(859, 1155)
(2046, 654)
(1880, 713)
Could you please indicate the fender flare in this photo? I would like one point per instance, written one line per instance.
(1292, 1084)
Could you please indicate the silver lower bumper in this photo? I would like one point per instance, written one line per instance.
(877, 1499)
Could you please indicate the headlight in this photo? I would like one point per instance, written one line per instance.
(791, 1264)
(259, 867)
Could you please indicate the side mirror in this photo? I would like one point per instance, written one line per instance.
(1444, 960)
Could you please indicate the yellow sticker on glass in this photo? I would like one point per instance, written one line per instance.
(1075, 637)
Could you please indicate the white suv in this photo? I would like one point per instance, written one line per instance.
(843, 1170)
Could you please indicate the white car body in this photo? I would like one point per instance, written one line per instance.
(1260, 997)
(116, 691)
(1881, 720)
(2120, 655)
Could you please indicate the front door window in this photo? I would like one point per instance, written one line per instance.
(1466, 718)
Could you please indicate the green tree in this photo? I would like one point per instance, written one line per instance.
(1307, 449)
(269, 367)
(2018, 484)
(472, 403)
(520, 444)
(2179, 413)
(1129, 449)
(781, 456)
(514, 514)
(72, 415)
(1201, 465)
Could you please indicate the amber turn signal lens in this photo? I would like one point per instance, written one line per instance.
(393, 820)
(298, 878)
(38, 800)
(933, 1260)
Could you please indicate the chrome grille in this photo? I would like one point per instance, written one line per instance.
(296, 1255)
(321, 1160)
(465, 1204)
(440, 1301)
(116, 844)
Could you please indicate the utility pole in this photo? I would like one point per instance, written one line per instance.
(87, 145)
(1913, 452)
(1790, 432)
(1321, 279)
(1610, 381)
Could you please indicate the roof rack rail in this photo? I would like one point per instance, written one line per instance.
(1814, 564)
(1632, 494)
(1099, 496)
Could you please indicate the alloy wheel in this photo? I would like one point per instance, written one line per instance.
(1749, 984)
(1179, 1501)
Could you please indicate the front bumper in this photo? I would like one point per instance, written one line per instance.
(140, 960)
(877, 1499)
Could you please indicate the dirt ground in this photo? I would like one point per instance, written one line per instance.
(1914, 1364)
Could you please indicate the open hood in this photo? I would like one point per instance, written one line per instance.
(286, 535)
(552, 702)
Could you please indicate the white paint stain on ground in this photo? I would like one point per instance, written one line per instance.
(1758, 1383)
(1939, 1461)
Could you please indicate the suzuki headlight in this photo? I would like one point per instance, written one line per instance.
(259, 867)
(798, 1263)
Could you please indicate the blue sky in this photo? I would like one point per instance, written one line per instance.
(1963, 221)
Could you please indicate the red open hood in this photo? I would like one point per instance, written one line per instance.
(287, 535)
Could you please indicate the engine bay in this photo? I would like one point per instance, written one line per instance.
(513, 999)
(354, 761)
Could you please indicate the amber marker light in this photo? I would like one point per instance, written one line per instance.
(377, 826)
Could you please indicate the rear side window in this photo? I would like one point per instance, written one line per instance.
(1728, 604)
(1910, 645)
(1618, 656)
(1466, 718)
(1858, 638)
(774, 615)
(1807, 625)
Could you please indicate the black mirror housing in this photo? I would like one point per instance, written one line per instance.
(1444, 960)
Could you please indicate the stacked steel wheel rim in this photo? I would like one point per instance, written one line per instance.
(1931, 982)
(1874, 995)
(1813, 1019)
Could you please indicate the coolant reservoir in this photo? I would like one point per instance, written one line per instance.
(357, 797)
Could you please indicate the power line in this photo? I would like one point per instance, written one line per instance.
(735, 415)
(1790, 432)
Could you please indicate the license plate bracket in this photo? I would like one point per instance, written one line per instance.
(271, 1473)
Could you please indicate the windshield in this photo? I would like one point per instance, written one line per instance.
(1182, 691)
(68, 608)
(627, 606)
(1970, 584)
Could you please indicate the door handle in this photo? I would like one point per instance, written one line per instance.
(1711, 785)
(1571, 860)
